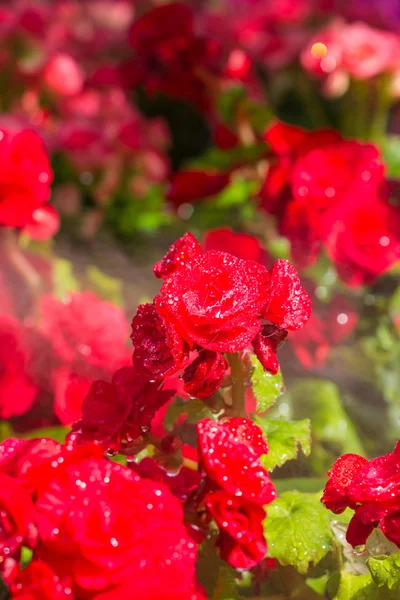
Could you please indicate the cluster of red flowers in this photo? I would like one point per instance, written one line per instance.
(89, 522)
(237, 487)
(68, 503)
(330, 193)
(49, 364)
(371, 489)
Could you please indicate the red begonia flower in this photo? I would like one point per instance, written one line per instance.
(266, 344)
(25, 176)
(241, 538)
(159, 350)
(216, 301)
(178, 255)
(289, 305)
(204, 375)
(38, 581)
(230, 453)
(95, 520)
(241, 245)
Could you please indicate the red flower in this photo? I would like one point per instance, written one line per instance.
(216, 301)
(38, 581)
(158, 350)
(336, 495)
(289, 305)
(17, 522)
(266, 344)
(95, 521)
(324, 176)
(204, 375)
(181, 484)
(241, 539)
(364, 241)
(24, 459)
(85, 329)
(192, 184)
(288, 143)
(178, 255)
(230, 453)
(372, 489)
(16, 381)
(121, 410)
(241, 245)
(25, 176)
(44, 224)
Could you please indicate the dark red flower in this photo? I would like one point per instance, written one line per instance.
(158, 350)
(16, 380)
(216, 301)
(289, 305)
(181, 484)
(372, 490)
(241, 245)
(169, 55)
(266, 344)
(178, 255)
(204, 375)
(95, 521)
(25, 176)
(241, 538)
(38, 581)
(230, 453)
(17, 522)
(193, 184)
(121, 410)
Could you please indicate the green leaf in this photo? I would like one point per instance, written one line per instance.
(64, 280)
(194, 410)
(104, 286)
(356, 587)
(297, 530)
(237, 192)
(266, 387)
(317, 584)
(385, 570)
(308, 485)
(56, 433)
(391, 153)
(284, 439)
(332, 429)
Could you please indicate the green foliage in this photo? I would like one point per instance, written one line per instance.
(297, 530)
(64, 280)
(356, 587)
(284, 438)
(57, 433)
(318, 584)
(193, 410)
(104, 286)
(266, 387)
(332, 430)
(391, 153)
(385, 570)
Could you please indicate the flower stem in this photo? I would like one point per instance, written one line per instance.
(237, 376)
